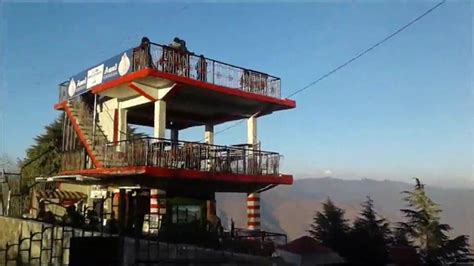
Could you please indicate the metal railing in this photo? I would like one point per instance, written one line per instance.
(169, 60)
(190, 155)
(186, 64)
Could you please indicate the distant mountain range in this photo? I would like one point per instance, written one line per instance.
(290, 209)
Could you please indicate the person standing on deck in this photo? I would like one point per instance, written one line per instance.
(201, 68)
(142, 56)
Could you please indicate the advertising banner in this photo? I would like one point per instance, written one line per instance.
(110, 69)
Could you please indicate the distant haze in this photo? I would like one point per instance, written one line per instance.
(290, 209)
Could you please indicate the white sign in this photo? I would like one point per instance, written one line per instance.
(97, 192)
(95, 75)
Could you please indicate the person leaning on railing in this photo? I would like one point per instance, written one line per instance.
(142, 55)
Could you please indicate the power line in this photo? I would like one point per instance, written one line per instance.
(404, 27)
(368, 49)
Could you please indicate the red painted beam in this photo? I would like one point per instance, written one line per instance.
(287, 103)
(226, 90)
(141, 92)
(81, 136)
(186, 174)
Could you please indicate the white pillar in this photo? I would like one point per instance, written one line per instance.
(252, 131)
(121, 128)
(159, 130)
(253, 199)
(122, 124)
(209, 134)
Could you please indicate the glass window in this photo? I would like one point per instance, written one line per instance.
(186, 213)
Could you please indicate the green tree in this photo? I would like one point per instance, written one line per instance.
(330, 227)
(374, 232)
(428, 234)
(42, 158)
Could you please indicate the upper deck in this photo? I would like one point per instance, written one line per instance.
(168, 89)
(196, 79)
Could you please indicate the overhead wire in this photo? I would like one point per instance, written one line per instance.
(351, 60)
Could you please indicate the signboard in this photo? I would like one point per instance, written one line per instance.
(110, 69)
(98, 192)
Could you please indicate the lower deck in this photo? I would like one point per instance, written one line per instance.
(164, 163)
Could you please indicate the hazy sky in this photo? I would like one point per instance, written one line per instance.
(404, 110)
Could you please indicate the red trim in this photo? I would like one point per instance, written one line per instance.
(81, 136)
(116, 129)
(253, 215)
(287, 103)
(168, 173)
(125, 79)
(154, 196)
(61, 105)
(157, 206)
(256, 207)
(253, 199)
(141, 92)
(253, 223)
(233, 91)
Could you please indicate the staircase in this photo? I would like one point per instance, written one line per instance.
(82, 120)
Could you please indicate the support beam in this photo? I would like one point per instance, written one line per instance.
(159, 129)
(253, 199)
(122, 210)
(122, 124)
(174, 135)
(209, 134)
(252, 131)
(253, 211)
(157, 210)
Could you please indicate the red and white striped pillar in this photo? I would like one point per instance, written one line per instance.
(157, 209)
(253, 211)
(253, 199)
(157, 201)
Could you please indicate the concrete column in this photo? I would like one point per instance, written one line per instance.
(253, 211)
(174, 135)
(253, 199)
(159, 129)
(120, 128)
(252, 131)
(157, 210)
(122, 211)
(209, 134)
(122, 124)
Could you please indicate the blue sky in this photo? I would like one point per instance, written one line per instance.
(404, 110)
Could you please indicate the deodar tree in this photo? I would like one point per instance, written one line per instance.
(428, 234)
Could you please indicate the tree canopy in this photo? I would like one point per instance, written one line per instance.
(429, 235)
(330, 227)
(370, 238)
(374, 232)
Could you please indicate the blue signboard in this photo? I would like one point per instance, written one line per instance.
(110, 69)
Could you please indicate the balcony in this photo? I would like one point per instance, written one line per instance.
(169, 154)
(171, 61)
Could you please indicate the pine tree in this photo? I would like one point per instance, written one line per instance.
(428, 234)
(330, 227)
(42, 158)
(370, 237)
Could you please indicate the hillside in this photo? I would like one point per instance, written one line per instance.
(290, 209)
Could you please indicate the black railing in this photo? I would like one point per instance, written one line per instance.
(169, 60)
(190, 155)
